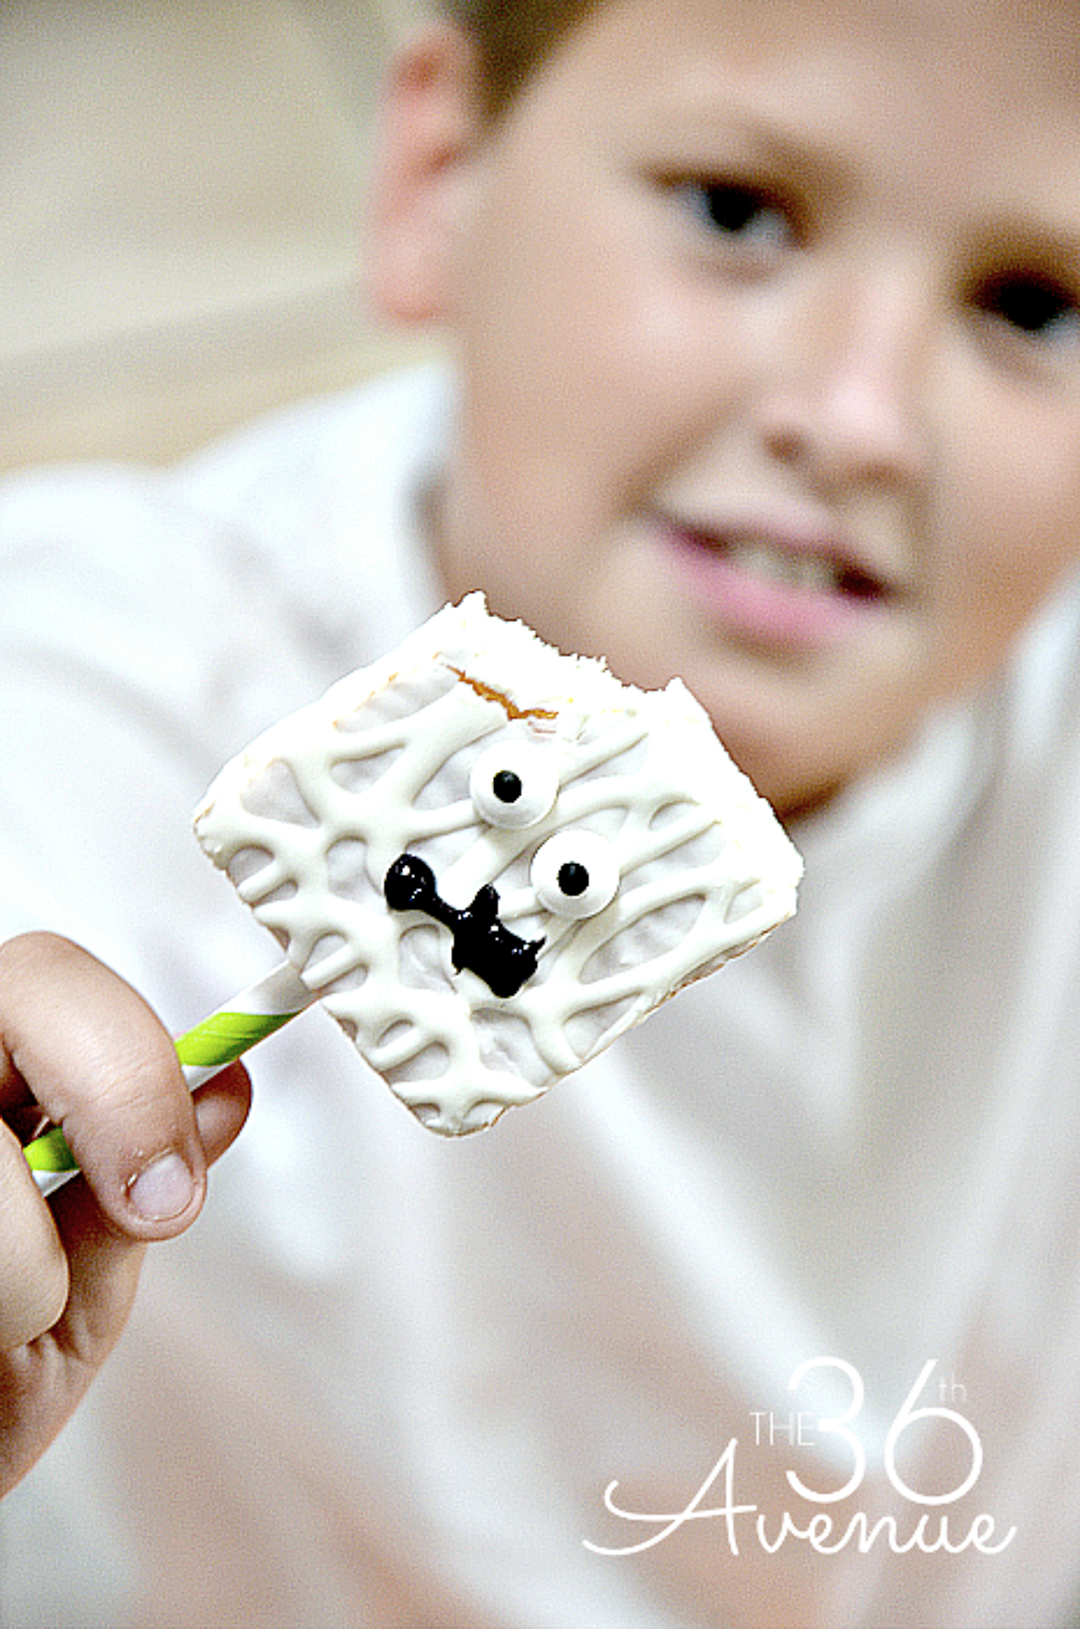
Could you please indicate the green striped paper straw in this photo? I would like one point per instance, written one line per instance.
(203, 1052)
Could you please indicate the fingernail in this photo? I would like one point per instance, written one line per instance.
(163, 1190)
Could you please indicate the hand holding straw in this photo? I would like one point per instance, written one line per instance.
(203, 1052)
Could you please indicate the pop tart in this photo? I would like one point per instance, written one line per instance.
(488, 859)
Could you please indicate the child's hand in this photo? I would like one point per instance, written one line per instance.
(76, 1040)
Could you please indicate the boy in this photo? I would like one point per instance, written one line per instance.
(769, 335)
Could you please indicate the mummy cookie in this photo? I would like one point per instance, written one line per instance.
(489, 860)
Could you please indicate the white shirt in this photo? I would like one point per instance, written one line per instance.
(387, 1379)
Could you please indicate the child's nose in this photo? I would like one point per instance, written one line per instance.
(849, 409)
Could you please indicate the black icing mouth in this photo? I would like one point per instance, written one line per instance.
(482, 943)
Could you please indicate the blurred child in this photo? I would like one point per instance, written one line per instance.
(767, 328)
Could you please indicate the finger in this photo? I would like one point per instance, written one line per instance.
(96, 1058)
(33, 1265)
(221, 1108)
(37, 1240)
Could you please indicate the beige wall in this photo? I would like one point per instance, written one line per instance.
(181, 236)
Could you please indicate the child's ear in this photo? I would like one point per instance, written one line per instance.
(421, 184)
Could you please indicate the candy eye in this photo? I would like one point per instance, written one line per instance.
(514, 784)
(575, 874)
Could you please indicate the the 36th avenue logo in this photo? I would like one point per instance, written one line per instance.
(927, 1529)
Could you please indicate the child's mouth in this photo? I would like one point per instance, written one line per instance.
(778, 581)
(807, 573)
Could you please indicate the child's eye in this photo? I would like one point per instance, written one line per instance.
(744, 213)
(1033, 305)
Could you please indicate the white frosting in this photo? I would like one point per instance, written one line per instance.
(309, 819)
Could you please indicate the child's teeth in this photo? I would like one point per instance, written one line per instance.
(808, 572)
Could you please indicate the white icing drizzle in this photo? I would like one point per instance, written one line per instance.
(309, 819)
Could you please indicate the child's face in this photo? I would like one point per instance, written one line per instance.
(771, 345)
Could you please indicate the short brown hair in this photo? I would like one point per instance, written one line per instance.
(512, 38)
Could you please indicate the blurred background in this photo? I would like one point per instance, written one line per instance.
(181, 231)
